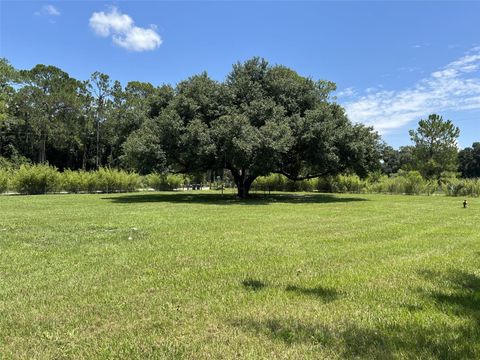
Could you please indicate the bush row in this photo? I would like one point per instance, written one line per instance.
(42, 179)
(462, 187)
(163, 182)
(104, 179)
(404, 182)
(277, 182)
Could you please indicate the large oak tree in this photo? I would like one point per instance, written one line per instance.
(262, 119)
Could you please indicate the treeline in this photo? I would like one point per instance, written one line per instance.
(261, 120)
(466, 162)
(46, 116)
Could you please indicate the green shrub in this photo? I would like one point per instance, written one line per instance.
(104, 180)
(278, 182)
(324, 184)
(4, 180)
(71, 181)
(174, 181)
(461, 187)
(447, 176)
(378, 184)
(112, 180)
(79, 181)
(395, 184)
(306, 185)
(14, 162)
(5, 163)
(431, 186)
(414, 182)
(36, 179)
(347, 184)
(272, 182)
(164, 182)
(403, 182)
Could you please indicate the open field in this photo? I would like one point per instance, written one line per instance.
(184, 275)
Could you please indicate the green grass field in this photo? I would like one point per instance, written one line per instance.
(198, 276)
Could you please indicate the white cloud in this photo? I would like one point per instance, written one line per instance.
(113, 22)
(454, 87)
(346, 93)
(123, 31)
(48, 10)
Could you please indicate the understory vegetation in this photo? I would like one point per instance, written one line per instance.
(260, 119)
(403, 182)
(42, 179)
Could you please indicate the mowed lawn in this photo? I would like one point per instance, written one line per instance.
(199, 276)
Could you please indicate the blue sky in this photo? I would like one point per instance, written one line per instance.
(394, 62)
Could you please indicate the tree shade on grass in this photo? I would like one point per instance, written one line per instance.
(174, 275)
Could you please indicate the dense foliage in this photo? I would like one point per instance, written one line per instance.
(469, 161)
(42, 179)
(403, 182)
(435, 148)
(261, 120)
(48, 116)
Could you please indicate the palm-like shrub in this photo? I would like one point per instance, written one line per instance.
(4, 180)
(36, 179)
(163, 182)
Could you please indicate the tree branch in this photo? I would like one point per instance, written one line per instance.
(299, 178)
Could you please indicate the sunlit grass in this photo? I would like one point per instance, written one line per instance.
(188, 275)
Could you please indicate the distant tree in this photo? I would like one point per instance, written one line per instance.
(132, 106)
(406, 157)
(395, 160)
(100, 86)
(48, 103)
(390, 162)
(469, 161)
(8, 121)
(263, 119)
(435, 148)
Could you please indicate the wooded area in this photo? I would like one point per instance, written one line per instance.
(261, 120)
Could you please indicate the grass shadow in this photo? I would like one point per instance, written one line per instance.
(325, 294)
(218, 199)
(461, 297)
(254, 285)
(354, 342)
(351, 341)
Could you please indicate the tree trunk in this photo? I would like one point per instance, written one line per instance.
(243, 190)
(243, 182)
(42, 151)
(97, 162)
(84, 157)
